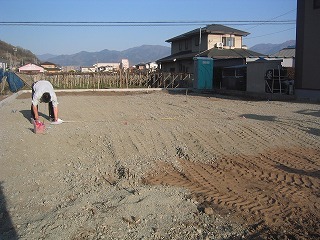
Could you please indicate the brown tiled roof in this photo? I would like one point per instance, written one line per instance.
(52, 69)
(47, 63)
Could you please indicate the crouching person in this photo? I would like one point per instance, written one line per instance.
(42, 91)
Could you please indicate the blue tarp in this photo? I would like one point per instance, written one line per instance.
(15, 83)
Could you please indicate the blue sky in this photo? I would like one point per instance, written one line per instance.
(70, 39)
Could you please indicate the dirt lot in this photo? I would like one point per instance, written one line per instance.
(161, 165)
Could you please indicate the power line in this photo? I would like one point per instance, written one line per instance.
(273, 18)
(271, 33)
(138, 22)
(141, 23)
(123, 25)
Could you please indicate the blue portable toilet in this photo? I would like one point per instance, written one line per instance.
(203, 73)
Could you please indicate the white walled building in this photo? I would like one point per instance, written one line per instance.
(152, 66)
(106, 67)
(3, 63)
(124, 64)
(87, 69)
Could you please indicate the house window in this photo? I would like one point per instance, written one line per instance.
(186, 44)
(316, 4)
(180, 67)
(228, 41)
(196, 41)
(180, 45)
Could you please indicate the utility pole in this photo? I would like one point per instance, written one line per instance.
(14, 56)
(199, 40)
(9, 57)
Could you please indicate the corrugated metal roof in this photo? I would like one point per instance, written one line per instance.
(285, 53)
(213, 29)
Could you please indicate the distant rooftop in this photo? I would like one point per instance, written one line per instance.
(288, 52)
(3, 60)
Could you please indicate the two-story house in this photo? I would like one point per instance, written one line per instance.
(50, 67)
(222, 43)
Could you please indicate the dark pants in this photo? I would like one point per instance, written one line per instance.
(51, 115)
(50, 106)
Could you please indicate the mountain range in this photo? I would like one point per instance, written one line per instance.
(16, 55)
(269, 48)
(142, 54)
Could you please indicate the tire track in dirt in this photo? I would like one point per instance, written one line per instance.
(283, 180)
(286, 161)
(263, 187)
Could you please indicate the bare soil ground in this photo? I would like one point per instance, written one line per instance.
(161, 166)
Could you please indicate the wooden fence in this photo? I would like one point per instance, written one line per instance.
(121, 79)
